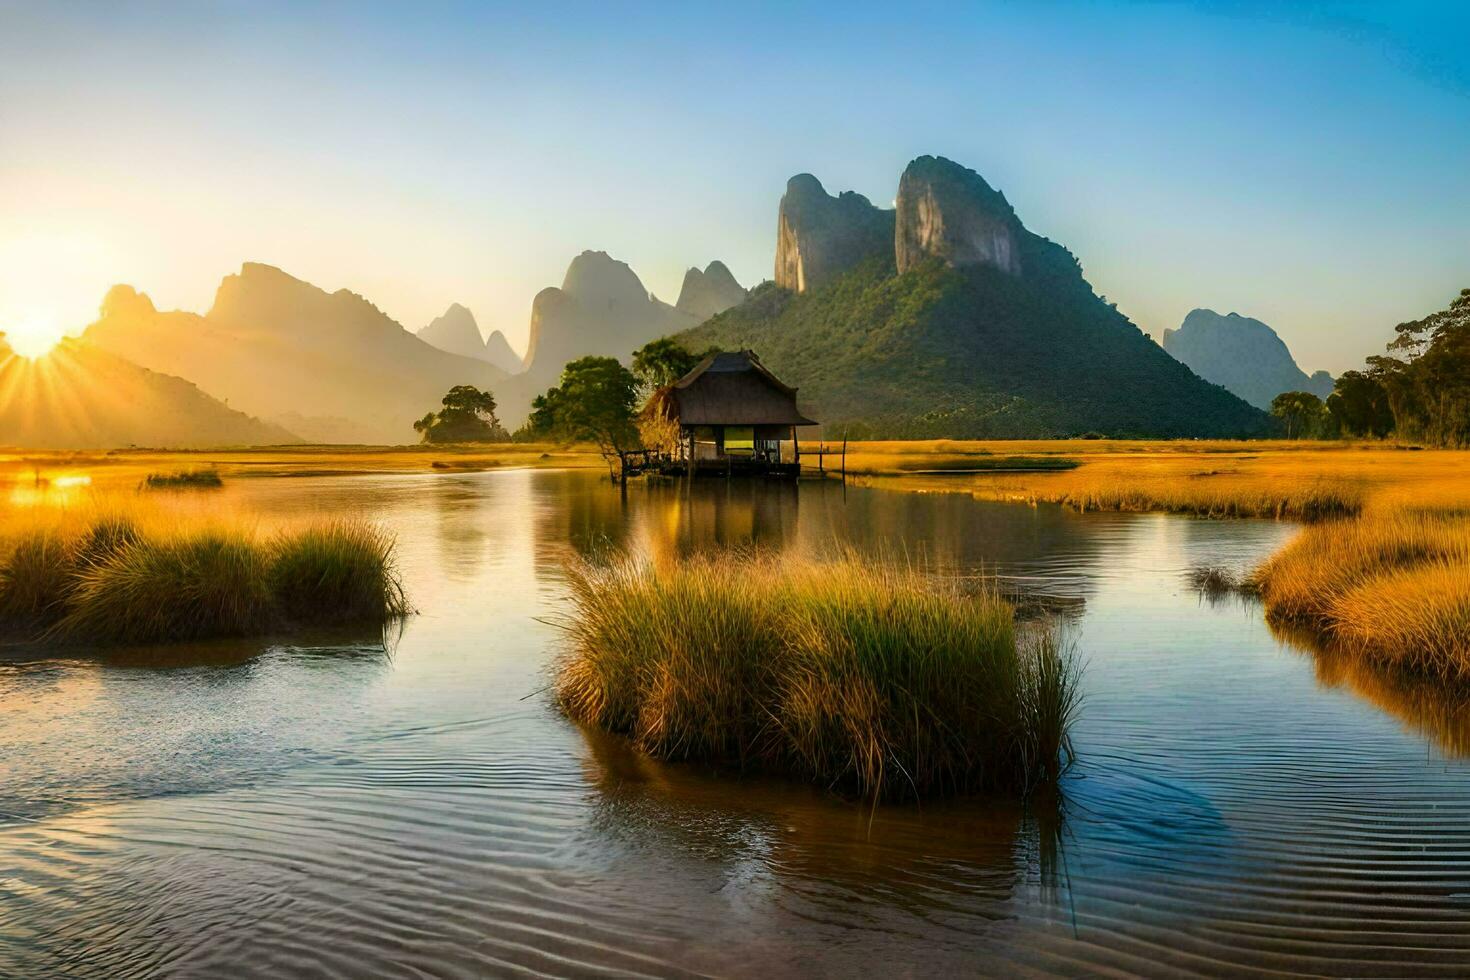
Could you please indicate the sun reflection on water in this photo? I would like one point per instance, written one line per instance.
(36, 489)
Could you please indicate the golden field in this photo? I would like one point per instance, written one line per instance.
(27, 471)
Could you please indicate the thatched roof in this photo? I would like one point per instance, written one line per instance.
(734, 389)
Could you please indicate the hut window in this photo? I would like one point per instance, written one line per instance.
(739, 438)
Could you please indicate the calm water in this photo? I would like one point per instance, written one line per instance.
(326, 806)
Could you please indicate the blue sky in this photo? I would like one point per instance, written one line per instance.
(1305, 164)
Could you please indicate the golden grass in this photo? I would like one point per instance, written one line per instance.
(869, 677)
(125, 469)
(1297, 480)
(1383, 573)
(1393, 586)
(124, 572)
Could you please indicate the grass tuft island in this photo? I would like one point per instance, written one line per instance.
(874, 679)
(115, 578)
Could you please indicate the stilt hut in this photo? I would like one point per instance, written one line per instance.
(733, 416)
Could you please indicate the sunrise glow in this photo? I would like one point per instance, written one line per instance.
(34, 337)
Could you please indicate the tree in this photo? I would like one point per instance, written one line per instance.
(1299, 411)
(595, 400)
(659, 363)
(1426, 375)
(1359, 405)
(468, 415)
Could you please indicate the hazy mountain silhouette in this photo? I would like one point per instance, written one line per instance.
(707, 293)
(82, 397)
(1243, 355)
(457, 332)
(275, 346)
(965, 324)
(601, 308)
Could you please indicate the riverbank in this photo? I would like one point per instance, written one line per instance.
(1383, 572)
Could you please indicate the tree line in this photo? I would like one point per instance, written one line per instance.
(1418, 391)
(595, 400)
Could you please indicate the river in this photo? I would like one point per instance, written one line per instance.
(414, 804)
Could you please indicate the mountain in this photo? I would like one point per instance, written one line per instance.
(819, 237)
(601, 308)
(82, 397)
(968, 325)
(707, 293)
(1243, 355)
(277, 347)
(500, 355)
(457, 332)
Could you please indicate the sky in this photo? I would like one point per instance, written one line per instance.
(1305, 164)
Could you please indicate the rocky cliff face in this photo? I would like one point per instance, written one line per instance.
(950, 212)
(1242, 355)
(819, 237)
(455, 331)
(601, 308)
(708, 293)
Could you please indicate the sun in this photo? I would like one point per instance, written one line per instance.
(33, 338)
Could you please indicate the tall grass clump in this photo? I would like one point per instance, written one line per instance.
(1394, 587)
(175, 588)
(334, 572)
(870, 677)
(111, 579)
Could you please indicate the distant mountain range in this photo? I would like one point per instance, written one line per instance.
(941, 317)
(947, 317)
(82, 397)
(332, 367)
(1242, 355)
(332, 364)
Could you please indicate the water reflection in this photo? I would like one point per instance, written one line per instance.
(1436, 711)
(920, 861)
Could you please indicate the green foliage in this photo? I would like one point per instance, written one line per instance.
(1359, 404)
(595, 400)
(468, 415)
(1426, 376)
(1300, 412)
(973, 353)
(874, 678)
(661, 362)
